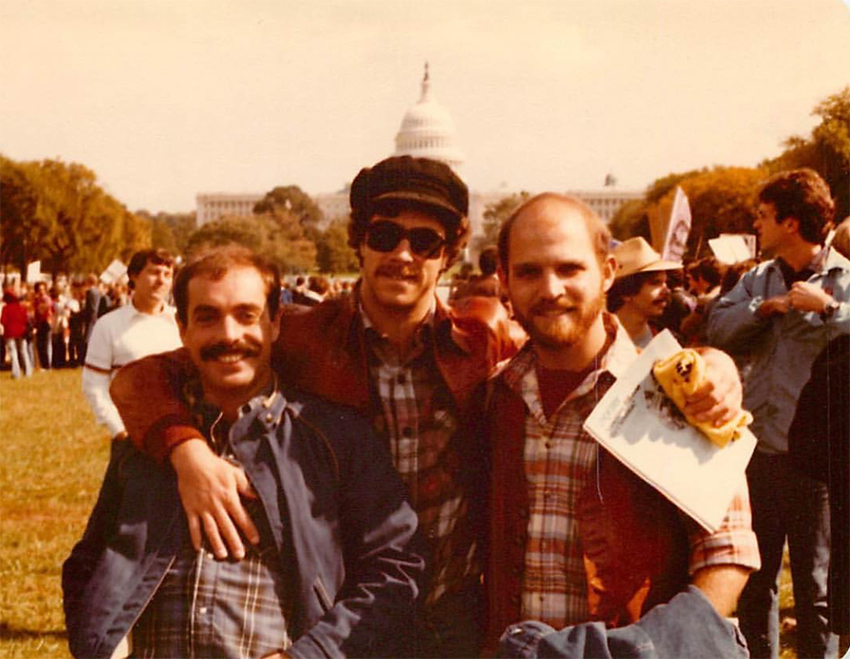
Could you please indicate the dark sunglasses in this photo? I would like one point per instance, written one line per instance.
(384, 236)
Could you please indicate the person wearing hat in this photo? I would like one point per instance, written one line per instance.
(639, 292)
(393, 352)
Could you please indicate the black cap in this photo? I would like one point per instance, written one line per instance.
(405, 178)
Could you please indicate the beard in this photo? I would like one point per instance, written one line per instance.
(560, 330)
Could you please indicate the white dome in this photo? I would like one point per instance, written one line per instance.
(428, 131)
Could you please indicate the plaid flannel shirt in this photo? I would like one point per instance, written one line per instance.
(206, 607)
(419, 419)
(559, 459)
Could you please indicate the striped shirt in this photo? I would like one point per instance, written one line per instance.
(419, 419)
(559, 459)
(206, 607)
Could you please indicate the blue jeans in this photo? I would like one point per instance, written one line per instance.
(788, 504)
(19, 355)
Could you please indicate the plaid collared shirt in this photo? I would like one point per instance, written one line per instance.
(559, 459)
(205, 607)
(419, 420)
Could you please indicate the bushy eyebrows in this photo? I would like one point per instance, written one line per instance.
(211, 309)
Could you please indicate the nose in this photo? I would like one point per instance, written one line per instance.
(229, 329)
(403, 251)
(551, 286)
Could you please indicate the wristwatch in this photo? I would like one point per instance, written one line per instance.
(829, 310)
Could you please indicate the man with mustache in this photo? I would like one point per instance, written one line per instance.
(394, 352)
(639, 292)
(574, 536)
(335, 568)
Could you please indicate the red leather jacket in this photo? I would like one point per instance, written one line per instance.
(635, 545)
(321, 351)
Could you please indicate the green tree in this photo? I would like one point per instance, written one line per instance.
(630, 220)
(333, 254)
(19, 233)
(57, 213)
(826, 150)
(277, 236)
(494, 216)
(293, 200)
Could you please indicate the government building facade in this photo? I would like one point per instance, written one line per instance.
(427, 131)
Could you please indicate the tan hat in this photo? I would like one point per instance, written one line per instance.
(635, 255)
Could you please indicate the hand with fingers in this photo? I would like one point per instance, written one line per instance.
(720, 397)
(804, 296)
(773, 306)
(210, 489)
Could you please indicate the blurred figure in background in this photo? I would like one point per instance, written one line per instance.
(44, 313)
(639, 292)
(784, 312)
(15, 320)
(145, 326)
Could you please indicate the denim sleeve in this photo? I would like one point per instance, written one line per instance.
(687, 626)
(733, 322)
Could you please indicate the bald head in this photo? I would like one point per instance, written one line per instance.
(552, 205)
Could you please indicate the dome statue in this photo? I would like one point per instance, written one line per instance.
(428, 131)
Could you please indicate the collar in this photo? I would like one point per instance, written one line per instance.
(166, 310)
(520, 375)
(266, 408)
(437, 328)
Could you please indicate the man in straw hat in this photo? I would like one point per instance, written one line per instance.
(639, 292)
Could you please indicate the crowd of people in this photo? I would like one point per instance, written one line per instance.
(338, 469)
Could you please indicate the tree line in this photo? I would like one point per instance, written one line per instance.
(57, 213)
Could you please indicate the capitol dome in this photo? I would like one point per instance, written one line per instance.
(428, 131)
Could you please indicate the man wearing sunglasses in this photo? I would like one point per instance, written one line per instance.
(393, 352)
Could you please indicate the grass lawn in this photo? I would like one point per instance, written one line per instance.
(54, 459)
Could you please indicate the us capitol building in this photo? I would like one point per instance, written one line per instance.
(427, 130)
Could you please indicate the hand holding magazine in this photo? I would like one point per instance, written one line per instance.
(643, 428)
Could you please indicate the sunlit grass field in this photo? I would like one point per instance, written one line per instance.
(54, 456)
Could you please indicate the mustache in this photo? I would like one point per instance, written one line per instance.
(216, 350)
(398, 270)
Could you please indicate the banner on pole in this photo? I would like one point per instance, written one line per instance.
(678, 228)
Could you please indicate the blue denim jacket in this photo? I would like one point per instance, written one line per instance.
(336, 508)
(687, 626)
(782, 348)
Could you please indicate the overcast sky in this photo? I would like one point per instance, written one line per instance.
(167, 98)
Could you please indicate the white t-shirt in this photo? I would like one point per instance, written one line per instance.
(118, 338)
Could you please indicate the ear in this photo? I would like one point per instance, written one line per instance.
(503, 277)
(182, 329)
(609, 270)
(275, 323)
(791, 225)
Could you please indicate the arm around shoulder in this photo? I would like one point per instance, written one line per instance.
(148, 396)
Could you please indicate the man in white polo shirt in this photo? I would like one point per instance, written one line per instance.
(144, 327)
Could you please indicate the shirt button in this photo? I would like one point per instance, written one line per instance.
(548, 446)
(203, 610)
(401, 379)
(407, 431)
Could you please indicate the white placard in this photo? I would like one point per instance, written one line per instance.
(113, 272)
(642, 427)
(33, 272)
(732, 248)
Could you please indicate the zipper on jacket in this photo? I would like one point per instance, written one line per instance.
(145, 605)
